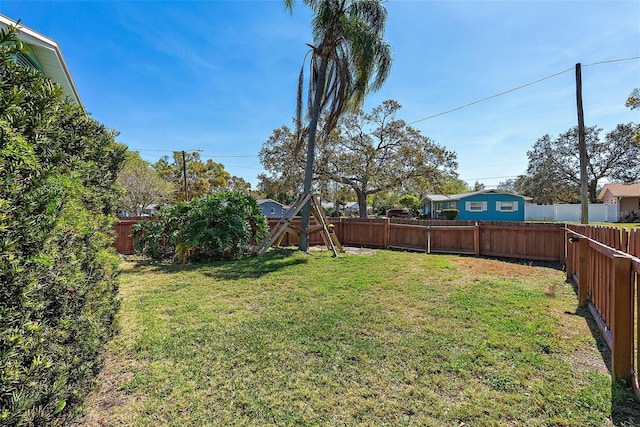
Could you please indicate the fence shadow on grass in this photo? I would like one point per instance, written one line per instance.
(625, 411)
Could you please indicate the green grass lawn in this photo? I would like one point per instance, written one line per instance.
(390, 338)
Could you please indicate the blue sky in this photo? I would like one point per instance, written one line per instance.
(219, 76)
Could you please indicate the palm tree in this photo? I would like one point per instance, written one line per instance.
(349, 58)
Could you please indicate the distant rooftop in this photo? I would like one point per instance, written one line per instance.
(621, 190)
(44, 54)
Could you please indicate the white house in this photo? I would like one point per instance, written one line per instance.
(44, 55)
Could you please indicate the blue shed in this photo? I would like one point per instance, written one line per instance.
(271, 208)
(485, 205)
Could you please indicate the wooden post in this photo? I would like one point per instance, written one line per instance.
(386, 233)
(583, 272)
(622, 320)
(582, 150)
(476, 239)
(569, 257)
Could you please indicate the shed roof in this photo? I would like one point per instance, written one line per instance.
(621, 190)
(49, 57)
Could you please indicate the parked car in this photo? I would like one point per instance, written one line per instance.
(398, 213)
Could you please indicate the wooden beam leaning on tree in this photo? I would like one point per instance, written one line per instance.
(284, 226)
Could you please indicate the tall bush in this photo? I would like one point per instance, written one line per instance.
(58, 280)
(450, 214)
(225, 225)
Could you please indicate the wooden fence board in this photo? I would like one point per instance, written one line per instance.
(501, 239)
(456, 239)
(122, 230)
(634, 242)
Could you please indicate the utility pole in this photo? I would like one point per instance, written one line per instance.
(184, 175)
(582, 149)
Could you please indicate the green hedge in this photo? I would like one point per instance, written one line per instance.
(58, 282)
(224, 225)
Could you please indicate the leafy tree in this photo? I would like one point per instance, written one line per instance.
(553, 174)
(377, 152)
(349, 58)
(284, 162)
(478, 186)
(202, 177)
(447, 182)
(633, 101)
(236, 183)
(224, 225)
(369, 153)
(409, 201)
(142, 186)
(58, 195)
(508, 186)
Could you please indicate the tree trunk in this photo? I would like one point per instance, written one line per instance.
(362, 203)
(303, 245)
(593, 189)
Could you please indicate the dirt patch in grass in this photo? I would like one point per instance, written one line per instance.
(107, 396)
(351, 250)
(493, 267)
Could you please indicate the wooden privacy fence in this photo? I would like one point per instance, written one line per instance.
(607, 278)
(533, 241)
(122, 230)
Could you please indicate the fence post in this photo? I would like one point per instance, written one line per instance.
(476, 239)
(583, 272)
(386, 233)
(621, 320)
(569, 256)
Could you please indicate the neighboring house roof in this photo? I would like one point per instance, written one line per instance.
(620, 190)
(455, 197)
(44, 54)
(264, 201)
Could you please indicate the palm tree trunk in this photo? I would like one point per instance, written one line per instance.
(303, 245)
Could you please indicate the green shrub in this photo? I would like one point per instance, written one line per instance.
(57, 269)
(225, 225)
(450, 214)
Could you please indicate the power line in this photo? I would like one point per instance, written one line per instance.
(521, 87)
(612, 60)
(234, 156)
(493, 96)
(489, 177)
(201, 155)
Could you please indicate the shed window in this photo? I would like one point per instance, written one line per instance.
(507, 206)
(476, 206)
(272, 211)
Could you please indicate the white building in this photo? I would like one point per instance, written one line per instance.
(43, 54)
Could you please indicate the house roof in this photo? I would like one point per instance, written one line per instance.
(48, 57)
(456, 197)
(621, 190)
(263, 201)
